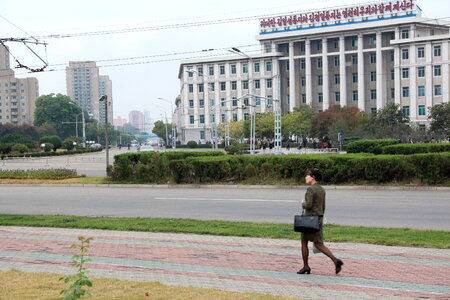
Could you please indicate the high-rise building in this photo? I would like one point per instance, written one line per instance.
(363, 55)
(17, 95)
(119, 121)
(85, 86)
(148, 125)
(136, 119)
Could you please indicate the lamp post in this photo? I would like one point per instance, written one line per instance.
(252, 101)
(104, 99)
(174, 132)
(82, 121)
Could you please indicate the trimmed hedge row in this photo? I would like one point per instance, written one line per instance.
(408, 149)
(430, 168)
(369, 146)
(38, 174)
(52, 153)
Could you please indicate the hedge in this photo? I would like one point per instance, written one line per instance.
(407, 149)
(369, 146)
(52, 153)
(431, 168)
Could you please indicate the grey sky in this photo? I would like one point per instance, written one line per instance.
(137, 84)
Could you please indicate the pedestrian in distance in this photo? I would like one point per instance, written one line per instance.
(314, 205)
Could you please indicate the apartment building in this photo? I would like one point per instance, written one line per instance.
(362, 55)
(17, 95)
(85, 86)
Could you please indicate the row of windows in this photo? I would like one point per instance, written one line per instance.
(437, 51)
(421, 110)
(234, 102)
(222, 85)
(437, 91)
(233, 69)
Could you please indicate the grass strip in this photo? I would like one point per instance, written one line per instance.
(333, 233)
(44, 286)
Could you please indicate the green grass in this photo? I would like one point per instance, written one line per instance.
(336, 233)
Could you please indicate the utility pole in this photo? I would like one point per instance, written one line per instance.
(104, 98)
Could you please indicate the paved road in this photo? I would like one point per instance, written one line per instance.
(377, 207)
(237, 264)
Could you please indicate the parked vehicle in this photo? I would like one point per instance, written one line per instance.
(146, 148)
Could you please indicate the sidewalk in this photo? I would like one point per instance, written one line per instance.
(233, 263)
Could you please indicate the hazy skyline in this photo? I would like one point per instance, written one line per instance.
(143, 63)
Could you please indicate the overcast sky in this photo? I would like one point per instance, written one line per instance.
(138, 82)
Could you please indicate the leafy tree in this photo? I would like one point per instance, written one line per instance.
(390, 122)
(265, 125)
(55, 110)
(68, 142)
(344, 118)
(53, 139)
(160, 129)
(16, 139)
(297, 122)
(440, 119)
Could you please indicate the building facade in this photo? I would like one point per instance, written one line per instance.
(363, 56)
(85, 86)
(17, 95)
(137, 119)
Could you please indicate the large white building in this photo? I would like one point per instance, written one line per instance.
(361, 55)
(17, 95)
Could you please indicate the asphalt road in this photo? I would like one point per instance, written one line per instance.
(379, 208)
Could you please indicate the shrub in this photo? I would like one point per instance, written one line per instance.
(416, 148)
(19, 148)
(369, 146)
(192, 144)
(235, 148)
(68, 142)
(48, 147)
(52, 139)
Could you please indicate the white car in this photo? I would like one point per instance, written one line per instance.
(146, 148)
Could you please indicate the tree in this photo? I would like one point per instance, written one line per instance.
(160, 129)
(390, 122)
(297, 122)
(440, 119)
(53, 139)
(345, 119)
(55, 110)
(265, 125)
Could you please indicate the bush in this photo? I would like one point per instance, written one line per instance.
(192, 144)
(236, 148)
(48, 147)
(52, 139)
(38, 174)
(369, 146)
(68, 142)
(416, 148)
(19, 148)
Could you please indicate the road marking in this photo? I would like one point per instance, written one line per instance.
(226, 199)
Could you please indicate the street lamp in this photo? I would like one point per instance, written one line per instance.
(82, 121)
(253, 100)
(104, 99)
(174, 132)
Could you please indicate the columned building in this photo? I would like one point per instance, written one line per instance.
(363, 56)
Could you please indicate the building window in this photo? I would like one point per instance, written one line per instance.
(190, 73)
(200, 88)
(421, 110)
(437, 90)
(245, 101)
(437, 50)
(337, 96)
(335, 44)
(421, 72)
(223, 118)
(372, 40)
(373, 58)
(336, 61)
(211, 102)
(319, 46)
(405, 34)
(202, 119)
(257, 84)
(246, 116)
(191, 119)
(355, 95)
(405, 53)
(211, 86)
(319, 97)
(392, 93)
(213, 118)
(354, 77)
(211, 70)
(319, 80)
(222, 86)
(373, 94)
(191, 88)
(337, 79)
(256, 67)
(373, 76)
(302, 47)
(269, 83)
(392, 74)
(269, 100)
(234, 102)
(303, 98)
(287, 65)
(421, 91)
(405, 91)
(191, 103)
(235, 118)
(405, 73)
(267, 47)
(233, 69)
(319, 63)
(222, 101)
(437, 70)
(302, 64)
(245, 84)
(302, 81)
(354, 42)
(244, 68)
(200, 71)
(269, 66)
(234, 85)
(421, 52)
(202, 134)
(406, 110)
(354, 59)
(258, 101)
(222, 70)
(201, 103)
